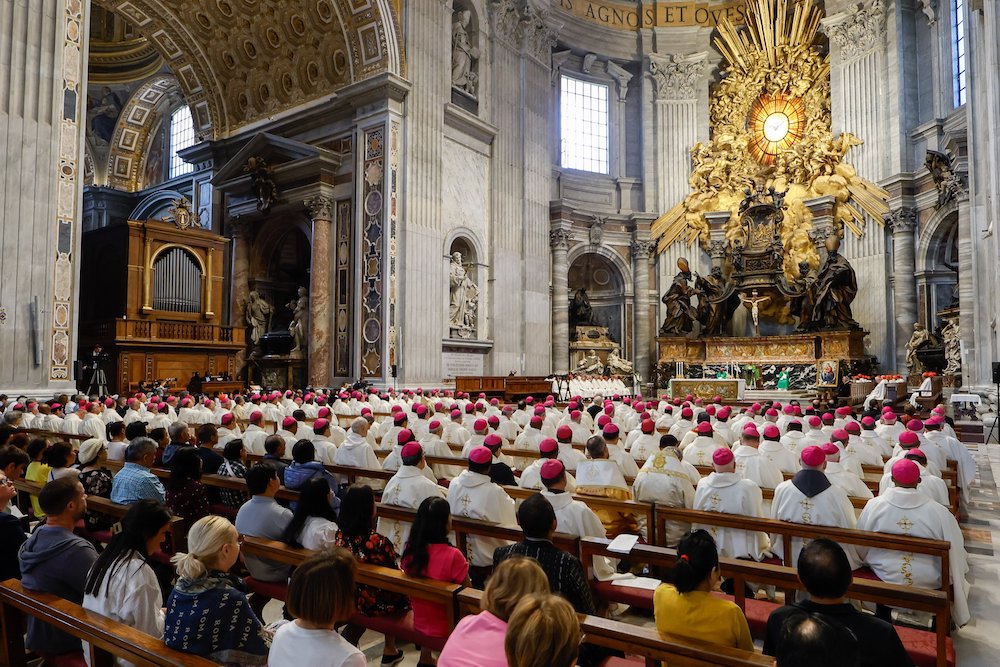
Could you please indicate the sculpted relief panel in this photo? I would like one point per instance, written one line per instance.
(243, 60)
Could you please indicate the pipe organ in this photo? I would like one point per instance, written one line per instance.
(151, 306)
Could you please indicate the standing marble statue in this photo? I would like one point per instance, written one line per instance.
(299, 326)
(920, 337)
(834, 291)
(680, 314)
(464, 300)
(258, 316)
(463, 54)
(952, 347)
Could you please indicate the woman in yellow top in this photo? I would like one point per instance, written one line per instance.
(687, 608)
(37, 471)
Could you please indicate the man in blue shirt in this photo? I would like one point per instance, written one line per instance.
(134, 482)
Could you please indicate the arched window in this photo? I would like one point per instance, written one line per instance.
(176, 282)
(181, 137)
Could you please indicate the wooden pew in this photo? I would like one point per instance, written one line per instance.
(788, 530)
(107, 638)
(53, 435)
(654, 646)
(926, 647)
(177, 536)
(385, 578)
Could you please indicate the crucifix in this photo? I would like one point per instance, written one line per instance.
(752, 305)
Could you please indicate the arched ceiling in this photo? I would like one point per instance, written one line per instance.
(240, 61)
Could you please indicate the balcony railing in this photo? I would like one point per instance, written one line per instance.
(171, 331)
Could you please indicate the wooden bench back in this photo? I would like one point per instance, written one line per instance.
(654, 646)
(106, 637)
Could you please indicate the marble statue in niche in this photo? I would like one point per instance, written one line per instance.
(921, 336)
(580, 310)
(464, 55)
(299, 326)
(952, 347)
(258, 317)
(464, 300)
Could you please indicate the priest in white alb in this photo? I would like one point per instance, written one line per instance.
(473, 495)
(408, 488)
(667, 481)
(904, 510)
(725, 491)
(573, 517)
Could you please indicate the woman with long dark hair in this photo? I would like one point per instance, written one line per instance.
(186, 496)
(687, 608)
(60, 457)
(314, 523)
(357, 533)
(428, 553)
(121, 585)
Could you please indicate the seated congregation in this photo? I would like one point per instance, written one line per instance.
(479, 532)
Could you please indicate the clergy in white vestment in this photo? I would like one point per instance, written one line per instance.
(289, 431)
(908, 441)
(865, 451)
(812, 436)
(530, 478)
(395, 458)
(408, 488)
(722, 426)
(840, 476)
(433, 444)
(904, 510)
(480, 429)
(828, 424)
(848, 458)
(357, 452)
(573, 517)
(133, 412)
(580, 431)
(110, 414)
(624, 460)
(699, 451)
(725, 491)
(602, 477)
(568, 454)
(775, 452)
(254, 436)
(666, 480)
(811, 498)
(683, 425)
(326, 450)
(873, 439)
(388, 439)
(952, 450)
(646, 443)
(888, 427)
(156, 414)
(690, 436)
(71, 423)
(934, 454)
(473, 495)
(532, 435)
(751, 465)
(930, 485)
(792, 436)
(93, 426)
(228, 430)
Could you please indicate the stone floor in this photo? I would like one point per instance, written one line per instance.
(976, 645)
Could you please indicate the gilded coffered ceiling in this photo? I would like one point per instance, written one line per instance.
(240, 61)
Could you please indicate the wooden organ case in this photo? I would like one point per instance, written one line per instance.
(153, 295)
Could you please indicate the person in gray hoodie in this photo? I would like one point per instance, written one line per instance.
(56, 561)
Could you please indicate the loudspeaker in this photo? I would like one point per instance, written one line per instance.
(996, 372)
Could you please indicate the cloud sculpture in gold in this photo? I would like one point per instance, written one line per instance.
(770, 122)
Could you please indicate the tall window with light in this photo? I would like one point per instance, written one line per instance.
(959, 50)
(584, 125)
(181, 137)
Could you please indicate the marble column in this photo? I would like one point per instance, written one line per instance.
(321, 213)
(43, 92)
(642, 250)
(902, 222)
(240, 281)
(559, 239)
(967, 298)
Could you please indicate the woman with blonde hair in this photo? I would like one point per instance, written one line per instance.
(320, 595)
(478, 641)
(543, 631)
(207, 612)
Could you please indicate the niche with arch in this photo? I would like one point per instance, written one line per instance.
(465, 281)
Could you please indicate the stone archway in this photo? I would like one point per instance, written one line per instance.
(609, 295)
(937, 266)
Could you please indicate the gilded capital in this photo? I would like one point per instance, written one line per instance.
(320, 208)
(676, 77)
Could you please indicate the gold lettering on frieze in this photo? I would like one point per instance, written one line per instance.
(626, 16)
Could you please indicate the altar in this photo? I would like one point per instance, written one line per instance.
(707, 388)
